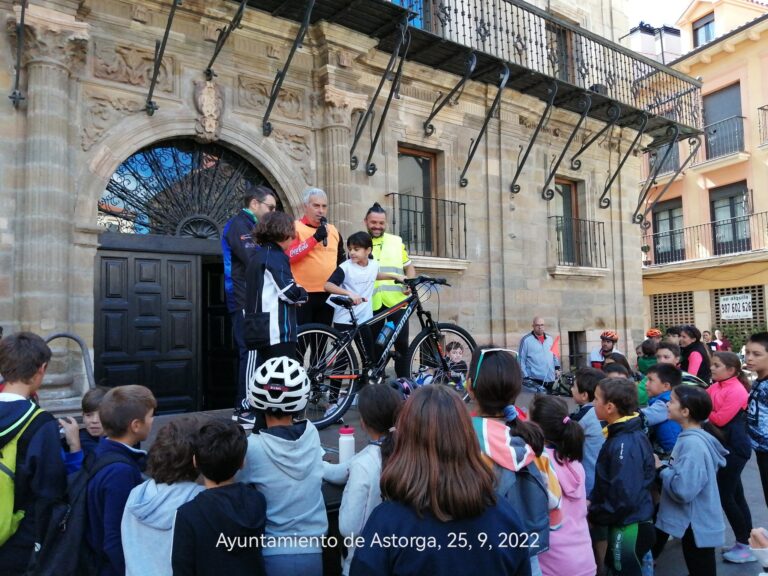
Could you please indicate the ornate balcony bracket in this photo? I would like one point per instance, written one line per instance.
(429, 129)
(694, 142)
(605, 201)
(503, 79)
(403, 43)
(16, 95)
(551, 94)
(266, 125)
(224, 36)
(585, 103)
(614, 111)
(151, 107)
(672, 133)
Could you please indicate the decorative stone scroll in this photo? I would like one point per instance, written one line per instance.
(209, 101)
(101, 113)
(253, 93)
(296, 146)
(339, 105)
(131, 65)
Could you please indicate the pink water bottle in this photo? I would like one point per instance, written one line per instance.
(346, 443)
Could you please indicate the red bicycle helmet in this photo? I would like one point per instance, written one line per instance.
(653, 333)
(609, 335)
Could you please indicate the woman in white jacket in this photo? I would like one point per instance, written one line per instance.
(379, 406)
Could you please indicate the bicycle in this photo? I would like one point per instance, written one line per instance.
(338, 365)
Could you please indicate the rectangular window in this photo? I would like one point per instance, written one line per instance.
(730, 219)
(723, 122)
(668, 235)
(428, 225)
(704, 30)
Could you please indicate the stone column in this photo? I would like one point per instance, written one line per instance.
(335, 134)
(55, 47)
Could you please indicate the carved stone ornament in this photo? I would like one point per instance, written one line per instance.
(102, 112)
(295, 145)
(131, 65)
(254, 93)
(209, 101)
(339, 105)
(346, 58)
(140, 13)
(274, 52)
(50, 37)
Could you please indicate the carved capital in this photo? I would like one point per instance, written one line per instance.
(102, 112)
(50, 37)
(209, 101)
(338, 106)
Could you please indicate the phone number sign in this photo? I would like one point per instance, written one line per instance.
(736, 307)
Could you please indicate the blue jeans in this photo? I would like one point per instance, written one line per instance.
(294, 564)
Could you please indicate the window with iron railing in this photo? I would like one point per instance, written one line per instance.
(723, 138)
(578, 242)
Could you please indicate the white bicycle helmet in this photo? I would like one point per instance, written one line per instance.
(279, 383)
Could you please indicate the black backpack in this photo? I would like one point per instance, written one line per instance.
(526, 491)
(64, 551)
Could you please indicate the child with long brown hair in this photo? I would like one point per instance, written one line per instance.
(439, 500)
(729, 394)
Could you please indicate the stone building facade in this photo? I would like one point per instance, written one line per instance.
(86, 67)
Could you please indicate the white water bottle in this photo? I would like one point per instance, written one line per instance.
(346, 443)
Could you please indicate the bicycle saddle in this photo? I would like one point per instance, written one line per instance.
(344, 301)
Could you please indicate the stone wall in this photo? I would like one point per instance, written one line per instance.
(84, 115)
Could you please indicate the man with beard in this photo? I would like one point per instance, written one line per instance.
(608, 341)
(389, 251)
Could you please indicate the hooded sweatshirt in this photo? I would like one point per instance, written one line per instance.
(593, 440)
(729, 405)
(219, 533)
(689, 494)
(147, 527)
(566, 546)
(286, 465)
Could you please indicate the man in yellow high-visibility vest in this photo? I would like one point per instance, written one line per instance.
(389, 251)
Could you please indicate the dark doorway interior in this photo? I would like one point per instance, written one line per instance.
(219, 354)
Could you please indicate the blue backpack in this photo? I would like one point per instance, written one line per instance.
(526, 491)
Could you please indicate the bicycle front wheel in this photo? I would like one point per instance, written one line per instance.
(428, 356)
(332, 371)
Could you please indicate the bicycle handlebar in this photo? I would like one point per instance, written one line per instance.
(413, 282)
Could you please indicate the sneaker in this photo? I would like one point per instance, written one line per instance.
(739, 554)
(246, 419)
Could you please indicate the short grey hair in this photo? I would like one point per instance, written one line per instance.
(310, 192)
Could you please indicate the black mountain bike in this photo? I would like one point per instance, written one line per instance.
(338, 365)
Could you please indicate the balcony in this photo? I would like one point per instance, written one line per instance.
(538, 48)
(430, 226)
(762, 120)
(578, 243)
(718, 238)
(722, 139)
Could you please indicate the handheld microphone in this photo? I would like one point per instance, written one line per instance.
(324, 222)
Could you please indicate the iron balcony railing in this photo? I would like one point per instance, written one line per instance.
(722, 139)
(579, 242)
(522, 34)
(430, 226)
(671, 164)
(762, 120)
(718, 238)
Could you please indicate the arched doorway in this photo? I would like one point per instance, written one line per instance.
(160, 317)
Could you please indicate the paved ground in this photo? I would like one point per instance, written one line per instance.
(671, 562)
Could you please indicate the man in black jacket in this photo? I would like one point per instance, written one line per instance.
(237, 245)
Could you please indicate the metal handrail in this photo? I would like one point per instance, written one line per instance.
(722, 138)
(83, 349)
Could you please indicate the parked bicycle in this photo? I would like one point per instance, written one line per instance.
(338, 365)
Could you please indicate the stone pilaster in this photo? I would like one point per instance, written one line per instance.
(338, 106)
(55, 48)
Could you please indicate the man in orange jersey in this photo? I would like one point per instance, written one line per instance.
(314, 255)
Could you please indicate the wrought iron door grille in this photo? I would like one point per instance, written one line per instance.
(177, 188)
(430, 226)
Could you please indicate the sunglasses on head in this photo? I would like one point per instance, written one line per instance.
(483, 352)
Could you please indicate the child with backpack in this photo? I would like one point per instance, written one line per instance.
(514, 447)
(583, 393)
(564, 439)
(620, 504)
(690, 504)
(126, 414)
(147, 526)
(379, 405)
(663, 432)
(730, 394)
(226, 511)
(80, 442)
(32, 476)
(285, 461)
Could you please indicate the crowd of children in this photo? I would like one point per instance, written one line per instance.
(634, 464)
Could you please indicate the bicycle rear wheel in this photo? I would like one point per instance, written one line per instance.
(427, 357)
(332, 373)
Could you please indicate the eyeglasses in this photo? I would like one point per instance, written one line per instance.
(483, 352)
(270, 207)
